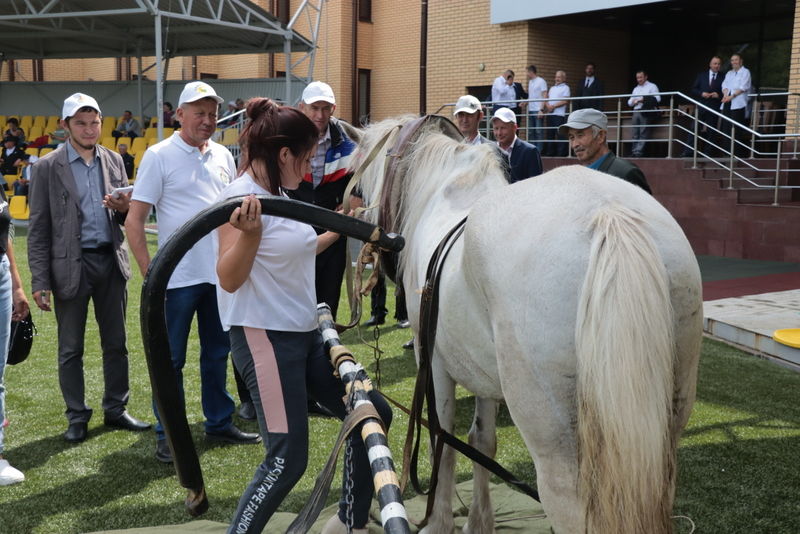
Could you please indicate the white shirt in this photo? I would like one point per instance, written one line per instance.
(510, 147)
(737, 81)
(558, 93)
(537, 87)
(646, 88)
(279, 294)
(181, 182)
(589, 80)
(318, 159)
(502, 93)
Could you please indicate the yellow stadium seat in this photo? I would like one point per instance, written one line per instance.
(39, 121)
(2, 120)
(52, 124)
(138, 146)
(137, 159)
(44, 151)
(109, 142)
(18, 208)
(32, 151)
(25, 122)
(10, 179)
(34, 132)
(230, 137)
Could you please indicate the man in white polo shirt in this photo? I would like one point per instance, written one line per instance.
(181, 176)
(556, 110)
(644, 100)
(735, 89)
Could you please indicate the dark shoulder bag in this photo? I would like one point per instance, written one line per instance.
(20, 340)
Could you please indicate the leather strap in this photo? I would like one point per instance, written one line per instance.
(316, 501)
(424, 389)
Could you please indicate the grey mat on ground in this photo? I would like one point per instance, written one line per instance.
(514, 513)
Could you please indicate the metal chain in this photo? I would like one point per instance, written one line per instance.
(348, 471)
(376, 354)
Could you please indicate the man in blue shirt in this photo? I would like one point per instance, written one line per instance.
(587, 131)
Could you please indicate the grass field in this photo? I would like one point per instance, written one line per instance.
(738, 459)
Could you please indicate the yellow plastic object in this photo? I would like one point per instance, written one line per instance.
(18, 208)
(788, 336)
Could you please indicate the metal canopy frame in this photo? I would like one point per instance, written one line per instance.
(59, 29)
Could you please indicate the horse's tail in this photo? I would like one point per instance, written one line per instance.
(625, 351)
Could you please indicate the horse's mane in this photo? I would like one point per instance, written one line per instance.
(452, 173)
(436, 174)
(371, 182)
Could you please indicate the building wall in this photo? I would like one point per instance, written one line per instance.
(793, 114)
(464, 50)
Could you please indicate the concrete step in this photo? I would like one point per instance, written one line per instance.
(749, 322)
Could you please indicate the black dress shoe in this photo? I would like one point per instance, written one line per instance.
(247, 411)
(76, 432)
(409, 345)
(315, 408)
(374, 321)
(163, 453)
(233, 435)
(126, 422)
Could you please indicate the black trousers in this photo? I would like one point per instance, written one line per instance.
(330, 272)
(101, 282)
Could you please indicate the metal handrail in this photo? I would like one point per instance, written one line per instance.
(678, 133)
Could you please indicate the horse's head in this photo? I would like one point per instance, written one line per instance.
(382, 161)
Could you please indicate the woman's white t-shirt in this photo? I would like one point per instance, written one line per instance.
(279, 294)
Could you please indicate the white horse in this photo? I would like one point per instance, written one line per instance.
(576, 298)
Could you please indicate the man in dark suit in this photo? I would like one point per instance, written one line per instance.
(76, 249)
(587, 131)
(590, 86)
(707, 89)
(523, 158)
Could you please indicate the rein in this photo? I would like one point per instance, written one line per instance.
(424, 390)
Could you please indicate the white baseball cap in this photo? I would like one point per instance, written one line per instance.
(194, 91)
(505, 115)
(467, 104)
(76, 102)
(316, 91)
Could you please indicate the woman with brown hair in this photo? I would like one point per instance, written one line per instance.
(267, 301)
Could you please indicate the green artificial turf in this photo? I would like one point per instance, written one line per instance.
(738, 459)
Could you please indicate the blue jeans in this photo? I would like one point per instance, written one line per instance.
(536, 129)
(5, 327)
(181, 305)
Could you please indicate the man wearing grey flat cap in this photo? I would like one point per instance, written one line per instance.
(587, 131)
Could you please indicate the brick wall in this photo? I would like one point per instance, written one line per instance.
(793, 113)
(464, 49)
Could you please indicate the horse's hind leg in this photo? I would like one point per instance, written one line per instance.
(482, 436)
(441, 518)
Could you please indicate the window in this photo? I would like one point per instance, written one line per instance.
(282, 14)
(208, 76)
(38, 70)
(365, 10)
(363, 96)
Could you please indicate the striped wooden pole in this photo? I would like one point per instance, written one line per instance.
(387, 485)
